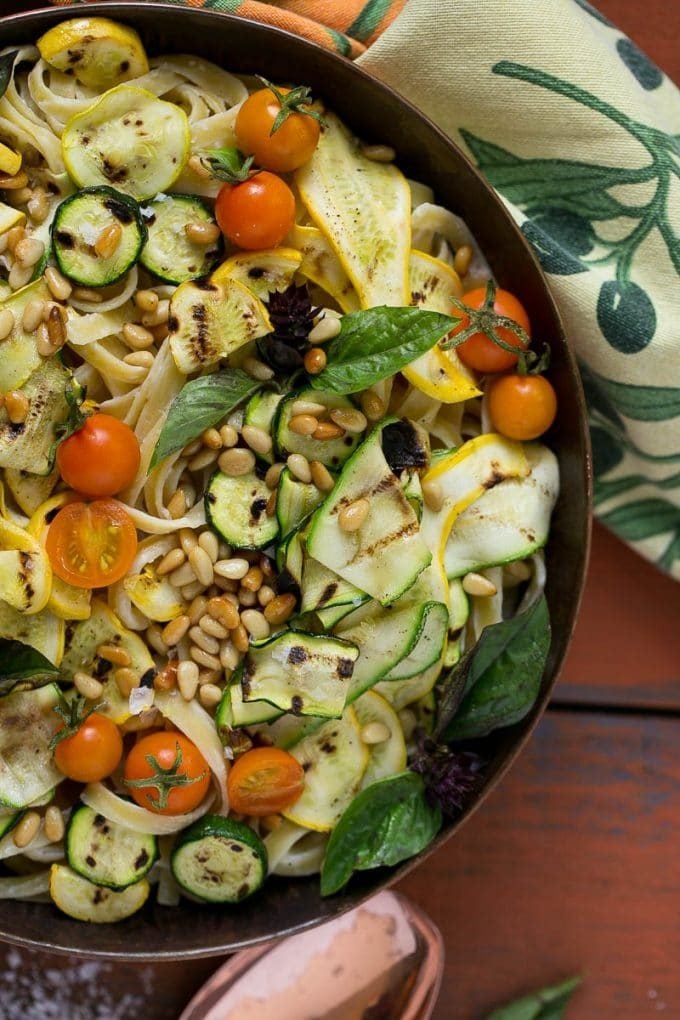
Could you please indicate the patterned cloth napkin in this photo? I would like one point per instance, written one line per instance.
(580, 135)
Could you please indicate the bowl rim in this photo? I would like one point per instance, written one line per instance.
(127, 10)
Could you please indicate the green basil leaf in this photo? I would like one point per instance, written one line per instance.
(503, 674)
(22, 664)
(376, 343)
(547, 1004)
(6, 66)
(198, 406)
(386, 823)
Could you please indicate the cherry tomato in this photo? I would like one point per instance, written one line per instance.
(479, 351)
(522, 406)
(101, 458)
(91, 545)
(291, 145)
(257, 213)
(264, 781)
(92, 752)
(175, 760)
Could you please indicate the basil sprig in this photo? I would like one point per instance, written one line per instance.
(6, 67)
(200, 404)
(22, 665)
(377, 342)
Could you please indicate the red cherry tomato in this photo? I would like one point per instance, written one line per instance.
(92, 752)
(185, 778)
(291, 145)
(257, 213)
(101, 458)
(91, 545)
(522, 406)
(264, 781)
(479, 352)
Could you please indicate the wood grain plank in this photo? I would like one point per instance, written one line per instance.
(570, 868)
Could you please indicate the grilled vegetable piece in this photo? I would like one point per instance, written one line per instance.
(322, 266)
(385, 757)
(127, 138)
(260, 411)
(27, 725)
(8, 821)
(29, 446)
(43, 631)
(322, 590)
(9, 216)
(295, 501)
(105, 853)
(219, 860)
(331, 452)
(169, 252)
(208, 321)
(307, 674)
(233, 711)
(98, 52)
(261, 271)
(30, 491)
(334, 759)
(236, 508)
(81, 899)
(82, 224)
(429, 644)
(25, 571)
(20, 356)
(364, 209)
(386, 554)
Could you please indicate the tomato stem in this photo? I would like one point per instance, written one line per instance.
(73, 714)
(165, 780)
(485, 320)
(229, 165)
(295, 101)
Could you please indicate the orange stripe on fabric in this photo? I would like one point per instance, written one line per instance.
(267, 14)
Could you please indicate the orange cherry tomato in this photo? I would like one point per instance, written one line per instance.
(101, 458)
(264, 781)
(182, 772)
(479, 352)
(92, 752)
(522, 406)
(257, 213)
(91, 545)
(291, 145)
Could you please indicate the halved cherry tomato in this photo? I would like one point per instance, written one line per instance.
(257, 213)
(522, 406)
(264, 781)
(92, 752)
(291, 145)
(91, 545)
(166, 773)
(479, 351)
(101, 458)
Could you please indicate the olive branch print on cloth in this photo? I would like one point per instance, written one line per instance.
(576, 224)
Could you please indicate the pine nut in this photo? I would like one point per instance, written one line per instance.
(299, 467)
(280, 609)
(236, 462)
(202, 565)
(271, 479)
(239, 638)
(327, 430)
(265, 565)
(190, 591)
(16, 405)
(315, 360)
(520, 570)
(12, 182)
(166, 678)
(196, 166)
(462, 259)
(257, 439)
(6, 322)
(433, 494)
(146, 300)
(321, 476)
(139, 359)
(372, 405)
(88, 686)
(197, 608)
(19, 276)
(325, 329)
(29, 251)
(210, 545)
(205, 641)
(375, 733)
(55, 328)
(303, 424)
(257, 369)
(308, 407)
(174, 631)
(43, 344)
(227, 586)
(255, 623)
(187, 539)
(108, 240)
(354, 515)
(209, 676)
(59, 286)
(14, 235)
(265, 595)
(27, 829)
(153, 636)
(137, 336)
(212, 439)
(213, 627)
(159, 316)
(229, 657)
(87, 294)
(54, 824)
(229, 436)
(33, 314)
(115, 654)
(171, 561)
(209, 695)
(22, 196)
(247, 599)
(379, 153)
(202, 459)
(223, 610)
(233, 569)
(187, 679)
(204, 658)
(477, 584)
(126, 679)
(182, 575)
(177, 506)
(202, 232)
(252, 581)
(349, 419)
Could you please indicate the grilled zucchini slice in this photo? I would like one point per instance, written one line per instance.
(168, 252)
(98, 52)
(30, 446)
(219, 860)
(295, 501)
(236, 508)
(106, 853)
(81, 899)
(80, 221)
(331, 452)
(28, 723)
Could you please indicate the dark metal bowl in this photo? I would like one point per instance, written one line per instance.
(377, 114)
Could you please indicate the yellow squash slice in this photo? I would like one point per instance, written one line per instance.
(25, 571)
(10, 161)
(364, 209)
(43, 631)
(28, 490)
(322, 266)
(440, 374)
(260, 271)
(10, 217)
(65, 601)
(79, 898)
(386, 757)
(98, 52)
(153, 595)
(400, 693)
(20, 356)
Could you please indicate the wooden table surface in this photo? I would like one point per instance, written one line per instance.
(572, 866)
